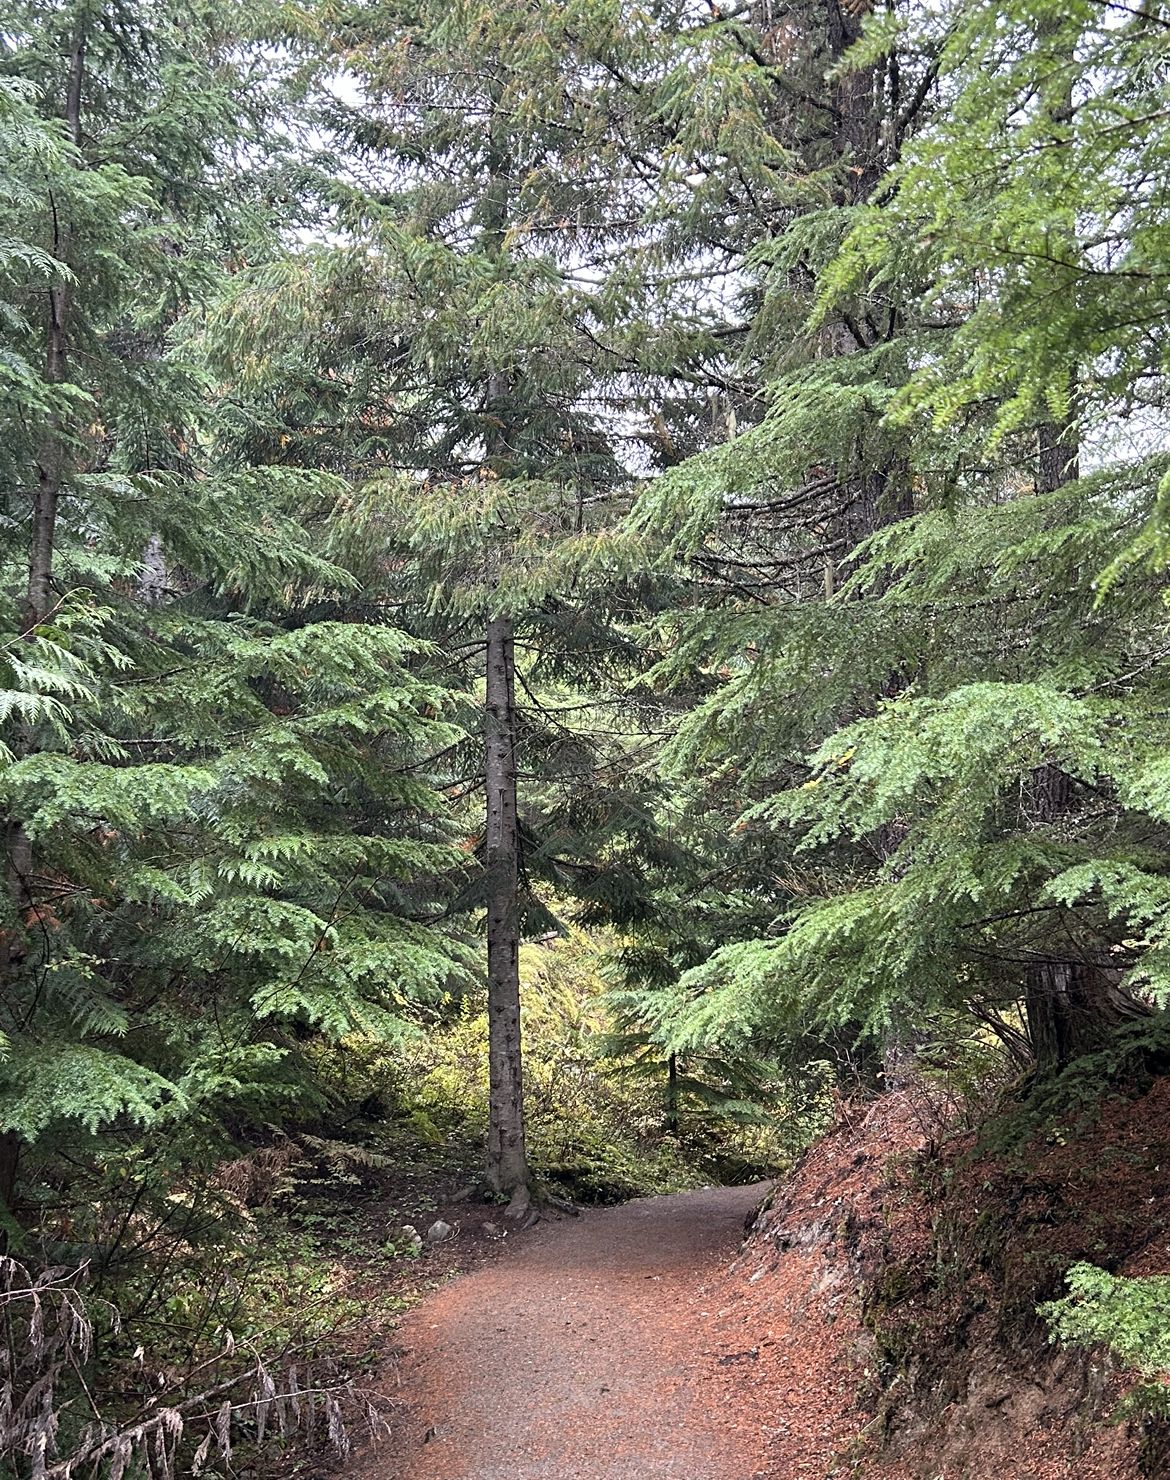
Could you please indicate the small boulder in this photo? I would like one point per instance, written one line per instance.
(412, 1236)
(438, 1231)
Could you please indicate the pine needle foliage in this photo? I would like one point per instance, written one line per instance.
(959, 736)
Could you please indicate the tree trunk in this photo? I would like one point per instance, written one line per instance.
(9, 1156)
(507, 1169)
(1059, 456)
(38, 593)
(672, 1095)
(1073, 1005)
(153, 582)
(856, 118)
(50, 466)
(1074, 1008)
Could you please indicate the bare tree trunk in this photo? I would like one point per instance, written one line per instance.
(672, 1095)
(1058, 455)
(152, 583)
(856, 118)
(1073, 1002)
(9, 1156)
(50, 463)
(507, 1169)
(39, 591)
(1074, 1008)
(50, 466)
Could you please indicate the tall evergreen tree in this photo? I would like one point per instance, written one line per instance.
(1001, 778)
(501, 327)
(768, 524)
(218, 837)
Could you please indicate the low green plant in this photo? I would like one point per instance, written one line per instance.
(597, 1128)
(1129, 1316)
(259, 1335)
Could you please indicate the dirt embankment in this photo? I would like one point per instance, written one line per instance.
(891, 1288)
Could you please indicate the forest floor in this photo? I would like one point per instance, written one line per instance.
(591, 1349)
(651, 1341)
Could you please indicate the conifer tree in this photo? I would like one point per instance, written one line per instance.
(219, 838)
(508, 298)
(1003, 786)
(768, 524)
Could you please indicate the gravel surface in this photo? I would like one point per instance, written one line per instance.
(586, 1352)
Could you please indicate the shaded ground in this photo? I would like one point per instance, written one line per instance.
(589, 1351)
(891, 1344)
(880, 1321)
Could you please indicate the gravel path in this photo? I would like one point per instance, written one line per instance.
(583, 1353)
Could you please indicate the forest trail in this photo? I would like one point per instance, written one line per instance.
(583, 1354)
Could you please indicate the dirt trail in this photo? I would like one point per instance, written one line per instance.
(584, 1353)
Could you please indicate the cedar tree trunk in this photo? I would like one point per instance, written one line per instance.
(1074, 1007)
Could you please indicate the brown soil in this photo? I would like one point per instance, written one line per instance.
(879, 1321)
(888, 1350)
(590, 1350)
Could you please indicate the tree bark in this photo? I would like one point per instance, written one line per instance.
(857, 120)
(1074, 1008)
(507, 1160)
(507, 1169)
(9, 1159)
(50, 468)
(1073, 1002)
(1058, 455)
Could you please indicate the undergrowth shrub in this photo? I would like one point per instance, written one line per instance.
(232, 1331)
(1131, 1318)
(173, 1314)
(597, 1126)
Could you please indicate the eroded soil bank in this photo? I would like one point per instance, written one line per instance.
(897, 1330)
